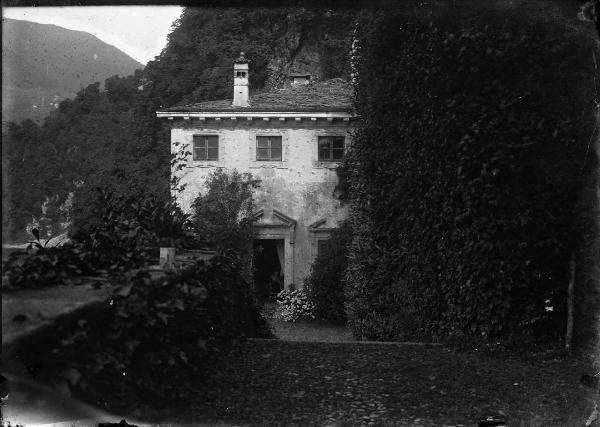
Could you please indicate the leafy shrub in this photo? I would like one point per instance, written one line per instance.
(165, 221)
(40, 265)
(132, 225)
(325, 285)
(124, 233)
(159, 337)
(464, 171)
(294, 305)
(222, 217)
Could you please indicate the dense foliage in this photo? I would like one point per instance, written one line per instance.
(112, 137)
(93, 140)
(474, 124)
(222, 216)
(325, 284)
(123, 232)
(42, 265)
(159, 336)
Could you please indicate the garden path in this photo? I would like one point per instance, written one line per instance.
(284, 383)
(310, 331)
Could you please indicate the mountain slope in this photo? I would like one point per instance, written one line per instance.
(43, 64)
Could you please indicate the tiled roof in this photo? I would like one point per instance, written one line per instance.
(329, 95)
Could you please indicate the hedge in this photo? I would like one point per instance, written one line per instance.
(473, 128)
(325, 284)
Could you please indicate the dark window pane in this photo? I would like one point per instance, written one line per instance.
(212, 141)
(331, 148)
(262, 153)
(276, 153)
(276, 142)
(262, 142)
(206, 147)
(213, 154)
(200, 154)
(323, 145)
(338, 142)
(268, 148)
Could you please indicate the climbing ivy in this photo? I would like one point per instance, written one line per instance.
(474, 123)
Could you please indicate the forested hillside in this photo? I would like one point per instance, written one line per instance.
(111, 137)
(45, 64)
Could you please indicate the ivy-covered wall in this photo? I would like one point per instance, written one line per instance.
(465, 172)
(586, 332)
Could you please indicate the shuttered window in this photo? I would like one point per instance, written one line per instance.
(206, 147)
(268, 148)
(331, 148)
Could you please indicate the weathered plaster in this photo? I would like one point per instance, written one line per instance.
(298, 186)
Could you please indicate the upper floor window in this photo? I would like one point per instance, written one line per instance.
(331, 148)
(268, 148)
(206, 147)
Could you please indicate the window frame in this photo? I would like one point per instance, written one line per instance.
(205, 148)
(269, 148)
(331, 148)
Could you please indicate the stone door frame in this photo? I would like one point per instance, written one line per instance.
(283, 231)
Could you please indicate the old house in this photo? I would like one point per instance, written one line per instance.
(292, 139)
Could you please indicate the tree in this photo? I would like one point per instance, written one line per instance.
(222, 217)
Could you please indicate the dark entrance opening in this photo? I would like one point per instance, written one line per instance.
(268, 268)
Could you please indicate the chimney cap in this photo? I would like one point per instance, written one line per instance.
(242, 59)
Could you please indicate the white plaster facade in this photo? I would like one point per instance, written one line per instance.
(295, 201)
(299, 188)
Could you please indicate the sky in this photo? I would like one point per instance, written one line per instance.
(139, 31)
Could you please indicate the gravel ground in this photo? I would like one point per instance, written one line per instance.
(310, 331)
(292, 383)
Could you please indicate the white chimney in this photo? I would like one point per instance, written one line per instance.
(240, 82)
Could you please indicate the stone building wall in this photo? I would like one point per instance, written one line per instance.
(296, 197)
